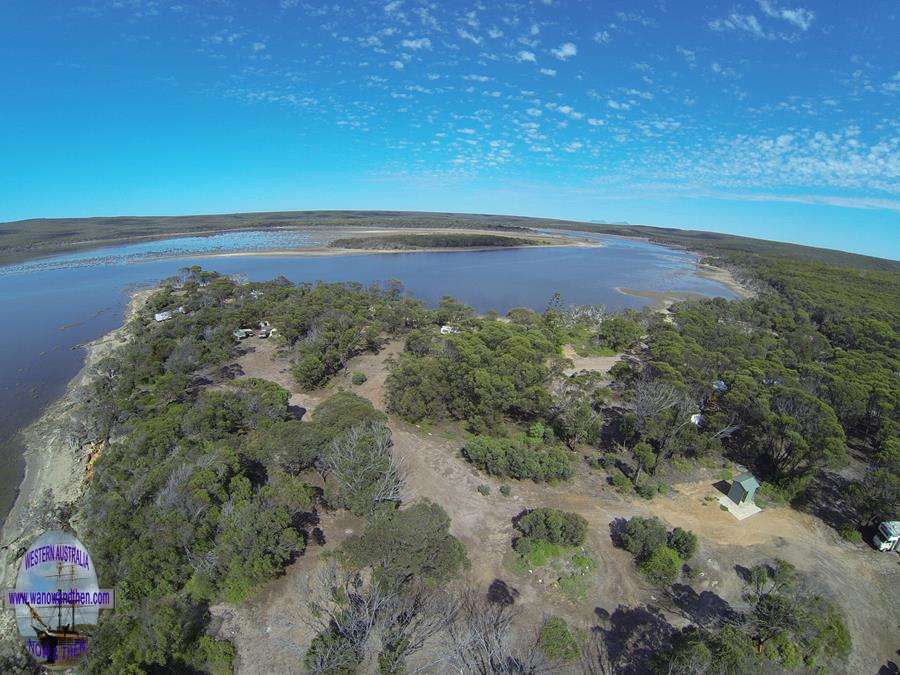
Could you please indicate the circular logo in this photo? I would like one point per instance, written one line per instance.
(57, 599)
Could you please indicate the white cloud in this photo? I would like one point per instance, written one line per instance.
(798, 16)
(468, 131)
(616, 105)
(494, 33)
(565, 51)
(476, 78)
(689, 55)
(535, 112)
(259, 46)
(574, 146)
(566, 110)
(393, 7)
(550, 72)
(594, 122)
(466, 35)
(396, 65)
(740, 22)
(526, 56)
(418, 43)
(602, 37)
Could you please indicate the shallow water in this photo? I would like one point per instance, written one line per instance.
(55, 304)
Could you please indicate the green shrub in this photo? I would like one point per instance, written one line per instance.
(358, 378)
(620, 482)
(519, 458)
(661, 567)
(683, 542)
(484, 489)
(332, 653)
(534, 553)
(554, 526)
(646, 489)
(505, 490)
(850, 533)
(642, 536)
(557, 642)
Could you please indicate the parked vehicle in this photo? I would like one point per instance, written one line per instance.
(887, 538)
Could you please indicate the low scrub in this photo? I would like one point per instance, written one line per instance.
(519, 458)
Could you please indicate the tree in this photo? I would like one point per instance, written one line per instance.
(645, 457)
(413, 543)
(661, 567)
(791, 625)
(483, 641)
(362, 474)
(803, 434)
(683, 542)
(576, 411)
(618, 332)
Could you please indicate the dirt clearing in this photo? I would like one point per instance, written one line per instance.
(270, 635)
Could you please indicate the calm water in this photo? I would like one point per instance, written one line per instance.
(53, 305)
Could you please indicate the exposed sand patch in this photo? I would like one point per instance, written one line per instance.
(600, 364)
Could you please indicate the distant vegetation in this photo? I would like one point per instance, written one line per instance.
(24, 239)
(401, 242)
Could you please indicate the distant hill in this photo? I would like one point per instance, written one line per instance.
(23, 239)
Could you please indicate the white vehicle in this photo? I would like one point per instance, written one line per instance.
(888, 536)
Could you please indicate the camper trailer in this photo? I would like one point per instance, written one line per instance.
(887, 538)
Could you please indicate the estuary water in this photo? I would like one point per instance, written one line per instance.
(52, 305)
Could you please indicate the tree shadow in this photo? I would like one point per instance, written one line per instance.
(617, 531)
(705, 609)
(500, 593)
(297, 411)
(634, 635)
(825, 498)
(889, 668)
(230, 371)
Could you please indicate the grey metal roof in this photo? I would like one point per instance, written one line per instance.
(747, 481)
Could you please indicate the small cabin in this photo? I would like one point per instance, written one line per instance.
(720, 386)
(163, 316)
(696, 419)
(743, 488)
(242, 333)
(448, 330)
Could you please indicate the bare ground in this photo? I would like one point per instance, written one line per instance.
(600, 364)
(270, 637)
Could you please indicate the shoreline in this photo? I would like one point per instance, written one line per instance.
(52, 460)
(332, 251)
(726, 278)
(20, 257)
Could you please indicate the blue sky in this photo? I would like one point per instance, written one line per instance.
(776, 119)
